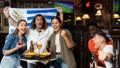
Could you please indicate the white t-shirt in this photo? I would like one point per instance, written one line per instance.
(108, 49)
(57, 42)
(39, 37)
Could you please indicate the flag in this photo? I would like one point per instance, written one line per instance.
(29, 13)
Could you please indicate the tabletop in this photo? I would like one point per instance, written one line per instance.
(44, 60)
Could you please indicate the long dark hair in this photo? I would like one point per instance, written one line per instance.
(17, 30)
(44, 26)
(101, 33)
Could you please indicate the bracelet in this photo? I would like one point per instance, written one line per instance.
(61, 12)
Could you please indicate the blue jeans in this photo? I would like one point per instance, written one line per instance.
(31, 65)
(58, 63)
(36, 65)
(10, 62)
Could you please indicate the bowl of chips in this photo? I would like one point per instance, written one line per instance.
(30, 54)
(45, 54)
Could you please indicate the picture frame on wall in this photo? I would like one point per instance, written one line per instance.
(1, 21)
(1, 3)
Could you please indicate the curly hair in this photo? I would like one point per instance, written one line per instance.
(44, 26)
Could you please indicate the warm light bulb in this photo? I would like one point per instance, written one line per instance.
(98, 13)
(78, 18)
(85, 16)
(116, 15)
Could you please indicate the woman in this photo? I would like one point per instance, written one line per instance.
(15, 45)
(61, 43)
(105, 51)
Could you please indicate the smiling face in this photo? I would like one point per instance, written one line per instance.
(22, 27)
(56, 24)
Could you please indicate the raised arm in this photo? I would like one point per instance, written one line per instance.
(61, 13)
(7, 15)
(61, 16)
(67, 39)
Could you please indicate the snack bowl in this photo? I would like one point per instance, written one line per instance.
(30, 54)
(45, 54)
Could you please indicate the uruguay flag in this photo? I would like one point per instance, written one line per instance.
(28, 14)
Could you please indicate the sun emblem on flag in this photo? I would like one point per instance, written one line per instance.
(18, 14)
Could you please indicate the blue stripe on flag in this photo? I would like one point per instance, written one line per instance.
(28, 24)
(49, 24)
(30, 18)
(40, 11)
(46, 17)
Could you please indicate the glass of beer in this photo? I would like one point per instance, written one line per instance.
(39, 46)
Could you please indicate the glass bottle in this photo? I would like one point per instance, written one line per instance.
(31, 47)
(48, 46)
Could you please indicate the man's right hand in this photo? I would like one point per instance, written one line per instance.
(6, 12)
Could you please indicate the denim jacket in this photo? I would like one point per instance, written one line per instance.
(11, 41)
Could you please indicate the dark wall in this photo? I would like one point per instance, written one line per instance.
(2, 41)
(81, 52)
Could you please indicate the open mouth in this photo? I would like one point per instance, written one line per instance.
(23, 30)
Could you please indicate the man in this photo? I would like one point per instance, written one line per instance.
(93, 28)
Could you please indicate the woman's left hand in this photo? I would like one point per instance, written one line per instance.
(59, 9)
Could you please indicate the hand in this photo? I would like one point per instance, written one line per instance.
(102, 55)
(6, 12)
(63, 33)
(25, 52)
(59, 9)
(20, 46)
(91, 64)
